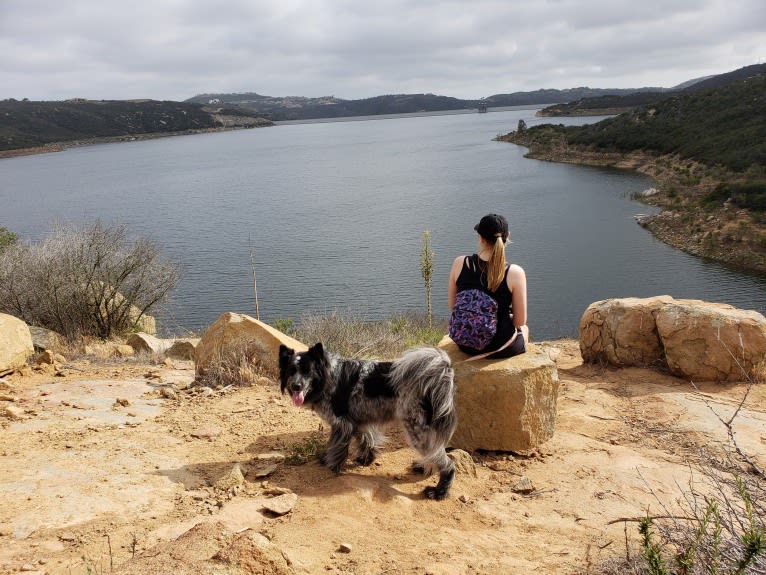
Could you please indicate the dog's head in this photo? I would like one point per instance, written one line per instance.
(302, 374)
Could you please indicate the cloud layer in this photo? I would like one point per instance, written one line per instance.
(174, 49)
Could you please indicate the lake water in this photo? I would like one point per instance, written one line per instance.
(334, 212)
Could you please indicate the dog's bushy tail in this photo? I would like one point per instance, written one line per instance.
(425, 372)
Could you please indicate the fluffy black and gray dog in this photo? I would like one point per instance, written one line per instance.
(357, 397)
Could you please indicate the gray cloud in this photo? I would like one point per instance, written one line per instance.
(175, 49)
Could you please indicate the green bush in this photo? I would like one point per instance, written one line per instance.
(90, 281)
(7, 238)
(749, 195)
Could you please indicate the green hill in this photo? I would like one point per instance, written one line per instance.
(618, 103)
(723, 126)
(25, 124)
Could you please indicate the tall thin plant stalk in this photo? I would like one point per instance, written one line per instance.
(255, 283)
(427, 270)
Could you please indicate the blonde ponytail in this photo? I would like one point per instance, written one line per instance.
(496, 264)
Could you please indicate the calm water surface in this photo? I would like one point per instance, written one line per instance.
(334, 214)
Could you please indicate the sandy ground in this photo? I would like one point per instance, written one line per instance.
(102, 473)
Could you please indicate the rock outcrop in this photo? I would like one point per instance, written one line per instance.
(693, 339)
(15, 343)
(622, 332)
(506, 404)
(239, 334)
(714, 342)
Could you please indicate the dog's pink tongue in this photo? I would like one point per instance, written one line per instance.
(298, 398)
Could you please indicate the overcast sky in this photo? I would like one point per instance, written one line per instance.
(175, 49)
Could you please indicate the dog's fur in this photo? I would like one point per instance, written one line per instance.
(355, 397)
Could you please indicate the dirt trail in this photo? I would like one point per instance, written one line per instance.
(100, 472)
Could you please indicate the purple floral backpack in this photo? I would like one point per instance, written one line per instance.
(473, 322)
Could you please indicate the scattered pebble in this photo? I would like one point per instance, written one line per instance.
(234, 478)
(206, 432)
(523, 485)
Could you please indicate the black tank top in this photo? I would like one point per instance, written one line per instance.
(474, 276)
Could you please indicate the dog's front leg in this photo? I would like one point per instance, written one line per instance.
(337, 448)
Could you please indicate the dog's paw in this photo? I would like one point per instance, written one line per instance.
(434, 493)
(365, 459)
(334, 467)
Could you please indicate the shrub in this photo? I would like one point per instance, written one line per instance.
(89, 281)
(7, 238)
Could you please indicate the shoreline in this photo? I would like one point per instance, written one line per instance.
(62, 146)
(726, 234)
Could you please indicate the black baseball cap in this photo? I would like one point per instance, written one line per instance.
(491, 225)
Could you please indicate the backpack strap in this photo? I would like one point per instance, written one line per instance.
(516, 333)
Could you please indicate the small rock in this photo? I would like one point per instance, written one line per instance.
(264, 470)
(281, 504)
(168, 392)
(345, 548)
(463, 462)
(13, 412)
(523, 485)
(122, 401)
(273, 456)
(206, 432)
(232, 479)
(68, 536)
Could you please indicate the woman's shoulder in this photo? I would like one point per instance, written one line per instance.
(515, 273)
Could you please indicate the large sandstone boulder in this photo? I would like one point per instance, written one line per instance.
(694, 339)
(15, 343)
(622, 332)
(235, 333)
(711, 341)
(504, 404)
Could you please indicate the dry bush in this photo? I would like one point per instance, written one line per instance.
(90, 281)
(236, 364)
(349, 335)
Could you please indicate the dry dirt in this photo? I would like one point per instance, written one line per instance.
(100, 473)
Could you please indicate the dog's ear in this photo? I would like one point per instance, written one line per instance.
(285, 353)
(317, 351)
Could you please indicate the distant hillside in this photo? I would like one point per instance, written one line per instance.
(25, 124)
(619, 103)
(563, 96)
(571, 101)
(723, 126)
(302, 108)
